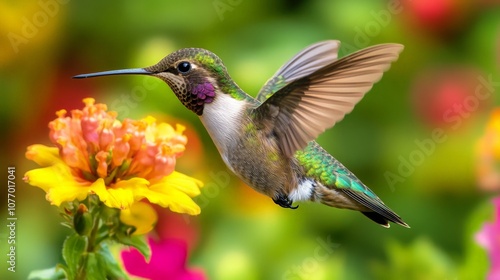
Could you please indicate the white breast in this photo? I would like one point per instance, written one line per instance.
(222, 119)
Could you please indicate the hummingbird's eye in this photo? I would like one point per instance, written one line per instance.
(184, 67)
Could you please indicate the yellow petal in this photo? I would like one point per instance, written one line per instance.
(175, 192)
(122, 194)
(175, 200)
(43, 155)
(99, 188)
(140, 215)
(183, 183)
(58, 182)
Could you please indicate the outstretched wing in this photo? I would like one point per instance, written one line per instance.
(301, 65)
(303, 109)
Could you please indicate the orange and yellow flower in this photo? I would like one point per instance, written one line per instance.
(121, 162)
(488, 154)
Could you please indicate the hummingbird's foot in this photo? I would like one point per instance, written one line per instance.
(283, 201)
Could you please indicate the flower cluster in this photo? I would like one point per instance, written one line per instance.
(121, 162)
(104, 174)
(488, 154)
(488, 174)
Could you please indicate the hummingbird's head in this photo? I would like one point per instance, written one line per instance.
(194, 75)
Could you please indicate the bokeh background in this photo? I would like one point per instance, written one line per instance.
(417, 139)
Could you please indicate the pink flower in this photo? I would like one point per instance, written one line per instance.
(168, 258)
(489, 238)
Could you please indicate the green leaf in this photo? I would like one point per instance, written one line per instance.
(137, 241)
(46, 274)
(94, 268)
(64, 269)
(476, 263)
(113, 268)
(73, 251)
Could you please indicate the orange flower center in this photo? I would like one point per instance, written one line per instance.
(97, 145)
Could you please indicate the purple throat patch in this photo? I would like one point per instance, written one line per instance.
(204, 93)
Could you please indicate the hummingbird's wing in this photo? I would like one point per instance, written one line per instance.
(304, 63)
(303, 109)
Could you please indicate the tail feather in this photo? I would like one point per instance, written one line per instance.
(381, 214)
(381, 220)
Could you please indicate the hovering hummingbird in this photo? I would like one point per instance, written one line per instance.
(268, 141)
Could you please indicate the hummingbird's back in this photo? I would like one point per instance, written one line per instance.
(319, 165)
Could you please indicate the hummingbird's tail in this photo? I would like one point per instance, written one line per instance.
(383, 221)
(330, 182)
(367, 203)
(380, 213)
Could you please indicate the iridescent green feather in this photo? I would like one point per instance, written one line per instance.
(215, 64)
(321, 166)
(273, 85)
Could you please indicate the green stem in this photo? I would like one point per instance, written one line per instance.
(92, 244)
(81, 274)
(93, 234)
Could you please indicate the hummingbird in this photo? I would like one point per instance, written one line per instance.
(269, 141)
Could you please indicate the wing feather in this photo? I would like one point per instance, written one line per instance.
(309, 60)
(311, 103)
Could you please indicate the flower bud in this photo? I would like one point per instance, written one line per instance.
(82, 220)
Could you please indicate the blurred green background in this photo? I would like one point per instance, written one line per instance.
(452, 49)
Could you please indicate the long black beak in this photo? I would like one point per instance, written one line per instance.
(133, 71)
